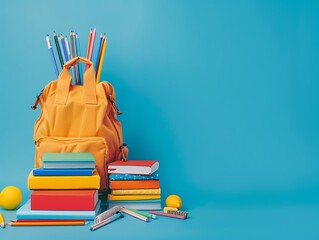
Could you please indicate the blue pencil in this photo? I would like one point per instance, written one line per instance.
(78, 52)
(64, 49)
(67, 47)
(55, 66)
(98, 53)
(61, 47)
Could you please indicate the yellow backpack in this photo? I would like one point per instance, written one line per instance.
(78, 118)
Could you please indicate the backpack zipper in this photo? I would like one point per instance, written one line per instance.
(34, 106)
(112, 100)
(118, 112)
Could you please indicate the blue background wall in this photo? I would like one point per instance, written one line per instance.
(223, 93)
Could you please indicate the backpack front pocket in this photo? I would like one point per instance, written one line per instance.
(95, 145)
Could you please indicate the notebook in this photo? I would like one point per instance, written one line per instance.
(25, 213)
(143, 167)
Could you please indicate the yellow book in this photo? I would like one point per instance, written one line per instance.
(136, 191)
(134, 197)
(64, 182)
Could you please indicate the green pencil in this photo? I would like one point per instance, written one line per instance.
(145, 214)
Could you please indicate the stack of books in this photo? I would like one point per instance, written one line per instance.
(65, 188)
(134, 184)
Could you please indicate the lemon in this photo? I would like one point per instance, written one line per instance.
(10, 197)
(174, 201)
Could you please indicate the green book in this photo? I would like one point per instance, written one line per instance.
(68, 160)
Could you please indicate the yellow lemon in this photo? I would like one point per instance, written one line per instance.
(174, 201)
(10, 197)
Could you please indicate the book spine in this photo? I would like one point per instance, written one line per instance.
(135, 191)
(134, 184)
(62, 203)
(133, 197)
(52, 172)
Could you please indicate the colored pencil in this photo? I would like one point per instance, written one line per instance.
(89, 44)
(145, 214)
(58, 49)
(61, 48)
(92, 43)
(88, 49)
(135, 214)
(78, 52)
(52, 55)
(98, 53)
(64, 49)
(73, 55)
(47, 223)
(67, 47)
(98, 76)
(2, 222)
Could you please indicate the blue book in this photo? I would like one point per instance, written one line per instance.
(123, 177)
(63, 172)
(25, 213)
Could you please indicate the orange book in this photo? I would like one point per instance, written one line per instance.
(134, 184)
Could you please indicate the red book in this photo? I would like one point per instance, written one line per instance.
(68, 200)
(134, 184)
(142, 167)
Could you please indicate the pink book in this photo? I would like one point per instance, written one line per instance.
(142, 167)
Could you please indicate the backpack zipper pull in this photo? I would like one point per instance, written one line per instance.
(112, 101)
(34, 106)
(124, 152)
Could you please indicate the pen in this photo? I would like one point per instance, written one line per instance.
(106, 221)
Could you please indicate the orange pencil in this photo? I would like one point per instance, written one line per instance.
(92, 44)
(47, 223)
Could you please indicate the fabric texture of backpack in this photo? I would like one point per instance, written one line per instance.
(80, 118)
